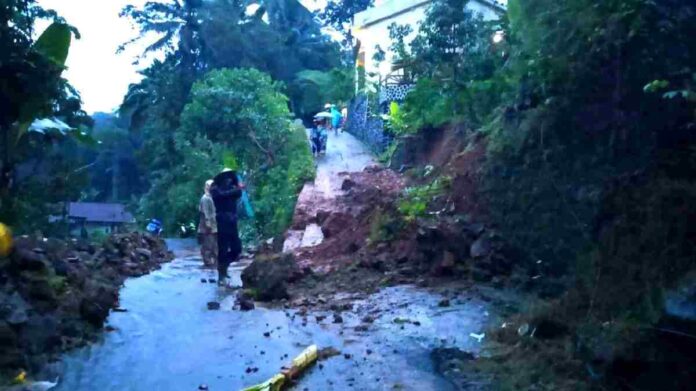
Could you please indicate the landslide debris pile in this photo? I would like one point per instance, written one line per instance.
(368, 243)
(55, 294)
(369, 230)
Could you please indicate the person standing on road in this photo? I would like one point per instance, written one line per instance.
(315, 138)
(336, 119)
(323, 135)
(207, 227)
(226, 191)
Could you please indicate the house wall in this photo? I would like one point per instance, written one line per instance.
(375, 30)
(372, 28)
(99, 229)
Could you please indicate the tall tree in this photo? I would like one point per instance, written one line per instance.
(340, 14)
(177, 24)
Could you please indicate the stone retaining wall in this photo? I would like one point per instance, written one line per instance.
(367, 127)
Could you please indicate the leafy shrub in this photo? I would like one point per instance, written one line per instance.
(394, 122)
(384, 226)
(456, 66)
(417, 199)
(276, 190)
(239, 113)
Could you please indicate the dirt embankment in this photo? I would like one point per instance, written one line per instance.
(369, 243)
(55, 295)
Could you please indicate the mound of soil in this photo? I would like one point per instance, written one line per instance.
(358, 255)
(56, 294)
(345, 221)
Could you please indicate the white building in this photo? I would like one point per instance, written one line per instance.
(371, 28)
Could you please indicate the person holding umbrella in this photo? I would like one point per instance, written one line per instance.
(226, 191)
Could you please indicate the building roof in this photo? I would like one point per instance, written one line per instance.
(386, 10)
(100, 212)
(389, 9)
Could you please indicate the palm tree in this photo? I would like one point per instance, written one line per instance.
(177, 24)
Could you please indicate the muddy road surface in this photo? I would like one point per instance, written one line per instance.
(167, 338)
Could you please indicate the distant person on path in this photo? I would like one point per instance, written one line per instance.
(323, 134)
(336, 118)
(226, 191)
(315, 138)
(207, 227)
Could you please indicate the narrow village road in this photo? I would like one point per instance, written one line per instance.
(344, 154)
(169, 340)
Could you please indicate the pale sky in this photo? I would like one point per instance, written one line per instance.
(99, 74)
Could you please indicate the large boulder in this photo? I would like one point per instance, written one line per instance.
(268, 275)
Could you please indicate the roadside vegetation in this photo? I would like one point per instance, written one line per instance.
(587, 112)
(155, 153)
(568, 173)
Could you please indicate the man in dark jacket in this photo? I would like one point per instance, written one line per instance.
(226, 191)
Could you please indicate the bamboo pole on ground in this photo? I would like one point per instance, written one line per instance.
(299, 364)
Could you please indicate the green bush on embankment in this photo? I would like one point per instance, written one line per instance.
(589, 116)
(240, 113)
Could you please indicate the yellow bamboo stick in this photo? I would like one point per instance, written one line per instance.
(299, 364)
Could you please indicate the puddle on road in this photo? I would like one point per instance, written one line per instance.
(169, 340)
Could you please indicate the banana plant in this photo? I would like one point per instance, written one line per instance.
(43, 63)
(53, 44)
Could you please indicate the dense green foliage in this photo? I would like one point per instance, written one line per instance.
(581, 115)
(173, 109)
(563, 110)
(454, 60)
(241, 112)
(40, 169)
(339, 14)
(318, 88)
(589, 114)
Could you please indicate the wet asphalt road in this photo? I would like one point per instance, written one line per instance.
(169, 340)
